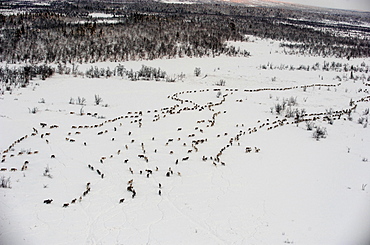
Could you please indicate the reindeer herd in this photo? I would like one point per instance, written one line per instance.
(201, 137)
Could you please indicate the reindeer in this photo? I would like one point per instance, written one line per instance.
(121, 200)
(65, 205)
(248, 149)
(48, 201)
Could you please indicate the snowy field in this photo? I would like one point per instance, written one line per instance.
(191, 162)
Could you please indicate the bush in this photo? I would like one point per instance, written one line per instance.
(71, 101)
(221, 83)
(33, 110)
(366, 112)
(279, 108)
(363, 121)
(197, 71)
(319, 133)
(290, 112)
(20, 76)
(4, 182)
(98, 99)
(170, 79)
(310, 125)
(292, 101)
(81, 100)
(47, 172)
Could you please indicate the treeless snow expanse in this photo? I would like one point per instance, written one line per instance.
(290, 189)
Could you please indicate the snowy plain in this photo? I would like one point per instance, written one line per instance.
(294, 190)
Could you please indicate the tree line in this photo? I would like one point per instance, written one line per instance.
(64, 32)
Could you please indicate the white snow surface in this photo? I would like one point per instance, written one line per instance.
(296, 190)
(100, 15)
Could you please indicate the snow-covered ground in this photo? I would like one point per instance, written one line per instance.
(290, 189)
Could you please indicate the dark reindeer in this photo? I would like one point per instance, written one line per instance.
(48, 201)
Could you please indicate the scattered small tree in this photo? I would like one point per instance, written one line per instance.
(98, 99)
(197, 71)
(81, 101)
(366, 112)
(47, 172)
(279, 108)
(170, 79)
(221, 83)
(4, 182)
(33, 110)
(310, 125)
(319, 133)
(82, 111)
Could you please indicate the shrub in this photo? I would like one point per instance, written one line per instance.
(71, 101)
(47, 172)
(319, 133)
(310, 125)
(221, 83)
(81, 100)
(279, 108)
(361, 120)
(82, 111)
(4, 182)
(290, 112)
(292, 101)
(33, 110)
(366, 112)
(98, 99)
(170, 79)
(197, 71)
